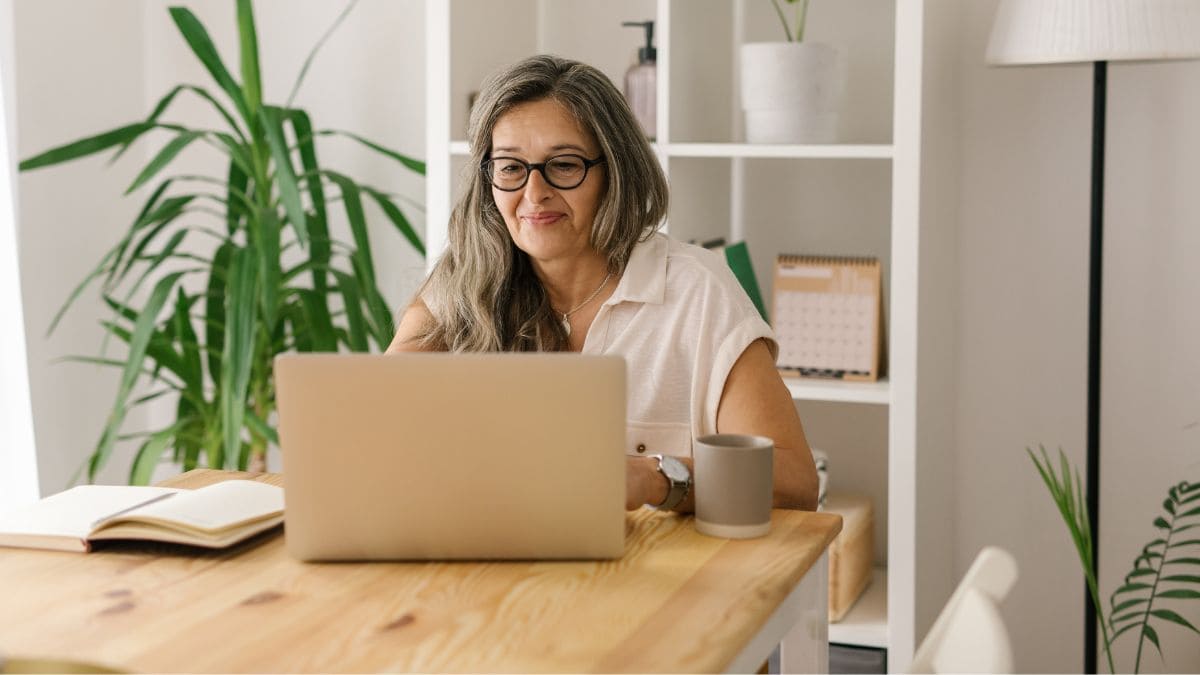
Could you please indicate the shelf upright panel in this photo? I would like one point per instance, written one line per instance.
(902, 420)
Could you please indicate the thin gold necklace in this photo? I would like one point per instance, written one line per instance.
(566, 316)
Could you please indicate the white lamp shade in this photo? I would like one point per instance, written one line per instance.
(1073, 31)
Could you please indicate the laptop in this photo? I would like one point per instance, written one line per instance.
(449, 456)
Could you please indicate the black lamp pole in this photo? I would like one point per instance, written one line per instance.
(1095, 281)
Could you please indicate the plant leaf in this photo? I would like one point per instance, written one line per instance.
(239, 347)
(268, 264)
(356, 337)
(352, 201)
(260, 427)
(1181, 593)
(214, 310)
(202, 46)
(156, 260)
(395, 215)
(188, 344)
(104, 263)
(318, 231)
(133, 363)
(1149, 632)
(164, 157)
(151, 452)
(156, 220)
(1127, 604)
(289, 189)
(414, 164)
(1168, 615)
(248, 37)
(1183, 578)
(86, 146)
(319, 323)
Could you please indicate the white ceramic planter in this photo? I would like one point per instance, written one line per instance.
(791, 91)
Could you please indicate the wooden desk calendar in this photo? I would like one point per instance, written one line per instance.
(828, 317)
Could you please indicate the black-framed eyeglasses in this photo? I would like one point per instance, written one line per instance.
(564, 172)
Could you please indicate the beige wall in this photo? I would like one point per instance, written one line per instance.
(1022, 301)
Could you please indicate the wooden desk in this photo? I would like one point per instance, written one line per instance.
(676, 602)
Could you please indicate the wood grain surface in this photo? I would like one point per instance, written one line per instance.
(676, 602)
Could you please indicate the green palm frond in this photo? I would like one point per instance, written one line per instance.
(1168, 568)
(1067, 491)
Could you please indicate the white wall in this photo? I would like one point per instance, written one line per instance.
(79, 72)
(1022, 308)
(87, 67)
(18, 457)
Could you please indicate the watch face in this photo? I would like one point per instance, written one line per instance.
(675, 470)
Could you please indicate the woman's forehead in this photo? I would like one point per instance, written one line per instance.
(541, 126)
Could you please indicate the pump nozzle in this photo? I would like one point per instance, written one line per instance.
(647, 54)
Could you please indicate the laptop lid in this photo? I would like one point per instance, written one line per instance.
(449, 456)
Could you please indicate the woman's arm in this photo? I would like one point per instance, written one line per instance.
(755, 401)
(415, 322)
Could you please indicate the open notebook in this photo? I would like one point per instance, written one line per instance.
(214, 516)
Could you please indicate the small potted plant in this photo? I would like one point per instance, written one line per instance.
(791, 91)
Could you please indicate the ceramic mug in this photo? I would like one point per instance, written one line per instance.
(734, 482)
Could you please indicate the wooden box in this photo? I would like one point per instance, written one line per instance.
(852, 552)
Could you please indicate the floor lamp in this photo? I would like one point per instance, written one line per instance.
(1031, 32)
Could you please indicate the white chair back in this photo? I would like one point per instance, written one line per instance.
(969, 635)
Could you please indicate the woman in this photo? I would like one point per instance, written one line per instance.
(553, 247)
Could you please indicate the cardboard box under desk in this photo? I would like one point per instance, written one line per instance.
(851, 554)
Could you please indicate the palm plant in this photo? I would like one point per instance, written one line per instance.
(1159, 572)
(233, 285)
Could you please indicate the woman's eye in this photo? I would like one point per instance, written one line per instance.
(565, 166)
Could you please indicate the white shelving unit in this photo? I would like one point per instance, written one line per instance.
(700, 146)
(866, 624)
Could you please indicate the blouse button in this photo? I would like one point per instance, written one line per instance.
(641, 447)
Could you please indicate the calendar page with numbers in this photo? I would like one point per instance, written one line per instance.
(828, 316)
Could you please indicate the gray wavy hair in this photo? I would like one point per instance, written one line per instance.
(483, 293)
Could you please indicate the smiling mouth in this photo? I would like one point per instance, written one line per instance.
(541, 218)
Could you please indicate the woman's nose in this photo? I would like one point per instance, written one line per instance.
(536, 188)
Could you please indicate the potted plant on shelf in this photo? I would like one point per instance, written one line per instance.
(791, 91)
(231, 288)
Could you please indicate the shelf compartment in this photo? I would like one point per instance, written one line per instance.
(763, 151)
(865, 625)
(811, 389)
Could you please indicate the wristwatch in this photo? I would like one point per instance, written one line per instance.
(679, 478)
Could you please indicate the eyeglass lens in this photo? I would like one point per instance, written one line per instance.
(563, 172)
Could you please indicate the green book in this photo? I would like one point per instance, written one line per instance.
(738, 258)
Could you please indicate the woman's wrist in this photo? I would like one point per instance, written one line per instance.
(654, 484)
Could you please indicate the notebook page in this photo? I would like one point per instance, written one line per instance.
(71, 513)
(217, 506)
